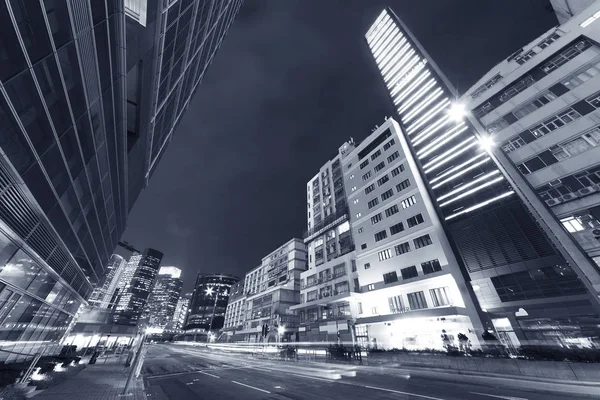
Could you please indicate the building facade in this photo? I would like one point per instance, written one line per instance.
(412, 289)
(181, 312)
(132, 301)
(102, 295)
(90, 94)
(235, 313)
(542, 111)
(209, 302)
(270, 292)
(529, 278)
(162, 303)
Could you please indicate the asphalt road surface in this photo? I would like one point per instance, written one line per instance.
(178, 372)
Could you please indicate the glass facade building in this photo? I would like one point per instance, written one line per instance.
(520, 276)
(204, 302)
(90, 94)
(161, 306)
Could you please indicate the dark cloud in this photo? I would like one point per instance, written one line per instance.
(291, 82)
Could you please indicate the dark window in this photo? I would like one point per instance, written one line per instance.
(366, 176)
(30, 20)
(383, 180)
(396, 171)
(387, 194)
(394, 229)
(46, 72)
(363, 246)
(12, 60)
(393, 156)
(367, 265)
(379, 166)
(388, 144)
(390, 277)
(402, 185)
(364, 164)
(370, 188)
(417, 301)
(392, 210)
(409, 272)
(431, 266)
(70, 68)
(422, 241)
(415, 220)
(376, 218)
(402, 248)
(373, 203)
(380, 236)
(375, 155)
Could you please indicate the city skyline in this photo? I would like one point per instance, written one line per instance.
(175, 226)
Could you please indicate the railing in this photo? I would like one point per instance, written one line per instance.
(341, 214)
(327, 278)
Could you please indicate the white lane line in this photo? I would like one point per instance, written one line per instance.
(206, 373)
(407, 393)
(251, 387)
(499, 397)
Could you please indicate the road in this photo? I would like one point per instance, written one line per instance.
(177, 372)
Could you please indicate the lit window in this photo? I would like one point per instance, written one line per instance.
(345, 227)
(353, 188)
(572, 224)
(358, 215)
(355, 201)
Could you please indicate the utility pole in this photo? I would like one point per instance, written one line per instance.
(136, 366)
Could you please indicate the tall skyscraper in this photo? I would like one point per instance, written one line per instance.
(181, 312)
(527, 275)
(90, 94)
(132, 302)
(209, 299)
(540, 106)
(102, 294)
(161, 305)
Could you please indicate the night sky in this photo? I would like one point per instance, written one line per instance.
(291, 82)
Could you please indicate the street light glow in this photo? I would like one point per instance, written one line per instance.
(281, 330)
(209, 291)
(487, 142)
(457, 111)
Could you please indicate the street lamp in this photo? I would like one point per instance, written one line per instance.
(209, 292)
(457, 112)
(280, 331)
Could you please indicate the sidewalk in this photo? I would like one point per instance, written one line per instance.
(96, 382)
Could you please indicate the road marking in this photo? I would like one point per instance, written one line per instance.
(499, 397)
(407, 393)
(206, 373)
(251, 387)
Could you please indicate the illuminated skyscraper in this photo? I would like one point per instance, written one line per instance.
(132, 302)
(529, 278)
(162, 303)
(181, 311)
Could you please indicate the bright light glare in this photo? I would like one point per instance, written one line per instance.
(457, 111)
(487, 142)
(281, 330)
(209, 291)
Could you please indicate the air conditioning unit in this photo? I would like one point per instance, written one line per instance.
(584, 191)
(596, 232)
(552, 202)
(568, 197)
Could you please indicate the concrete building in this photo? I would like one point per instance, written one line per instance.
(90, 95)
(209, 302)
(330, 281)
(565, 9)
(412, 287)
(235, 314)
(542, 111)
(530, 278)
(162, 302)
(271, 289)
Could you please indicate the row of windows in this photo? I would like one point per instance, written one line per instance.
(417, 301)
(570, 184)
(523, 58)
(551, 124)
(404, 247)
(399, 227)
(522, 111)
(562, 151)
(411, 272)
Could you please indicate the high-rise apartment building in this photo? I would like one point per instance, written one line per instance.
(542, 110)
(161, 305)
(271, 290)
(132, 302)
(528, 276)
(209, 301)
(90, 94)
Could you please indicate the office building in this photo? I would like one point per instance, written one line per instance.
(565, 9)
(90, 94)
(529, 277)
(103, 293)
(132, 301)
(271, 290)
(181, 312)
(542, 112)
(209, 302)
(412, 287)
(161, 305)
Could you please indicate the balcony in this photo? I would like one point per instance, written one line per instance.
(328, 222)
(324, 279)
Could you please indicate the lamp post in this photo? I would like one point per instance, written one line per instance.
(209, 292)
(280, 332)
